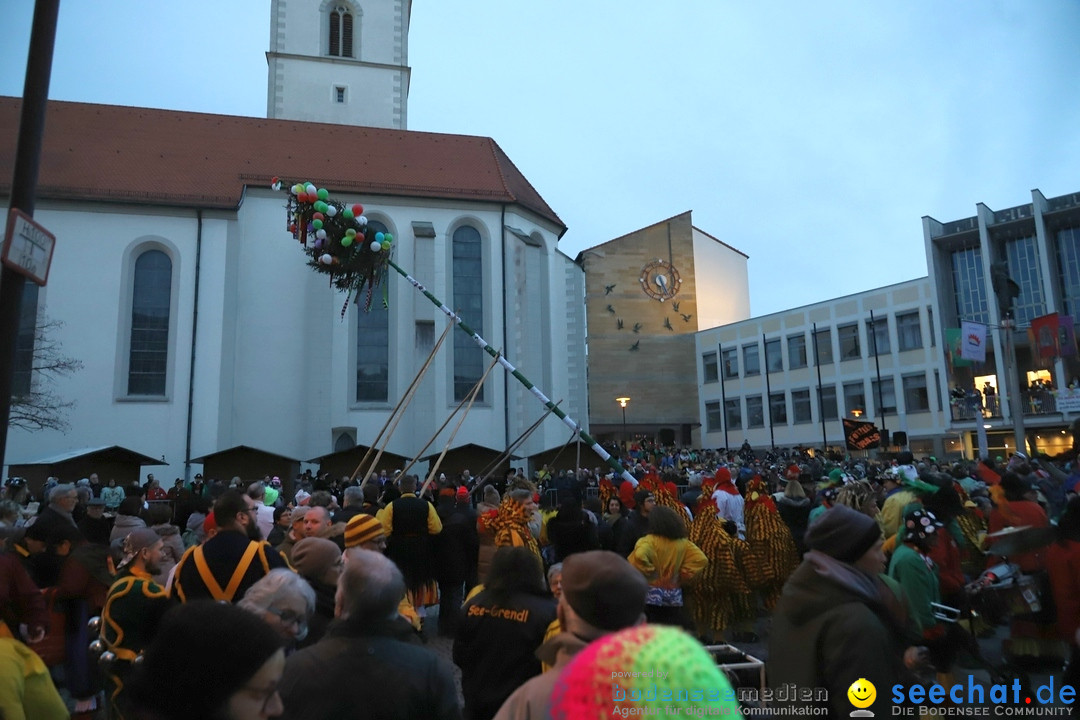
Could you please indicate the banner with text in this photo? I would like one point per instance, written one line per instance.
(861, 435)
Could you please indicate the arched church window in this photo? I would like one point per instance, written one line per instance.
(468, 274)
(148, 353)
(341, 31)
(373, 343)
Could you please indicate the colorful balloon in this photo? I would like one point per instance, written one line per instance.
(346, 241)
(358, 209)
(388, 237)
(347, 214)
(331, 210)
(379, 237)
(362, 221)
(320, 234)
(326, 259)
(376, 247)
(351, 232)
(323, 194)
(318, 216)
(317, 224)
(386, 244)
(321, 206)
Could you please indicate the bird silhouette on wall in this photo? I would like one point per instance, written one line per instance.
(609, 288)
(675, 306)
(634, 347)
(686, 318)
(667, 324)
(610, 309)
(619, 323)
(637, 327)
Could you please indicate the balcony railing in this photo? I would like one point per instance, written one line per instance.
(1033, 402)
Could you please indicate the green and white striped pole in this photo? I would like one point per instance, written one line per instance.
(482, 343)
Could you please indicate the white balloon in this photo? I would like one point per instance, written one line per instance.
(362, 220)
(321, 234)
(326, 259)
(376, 247)
(331, 211)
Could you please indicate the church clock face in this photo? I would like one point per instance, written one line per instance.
(660, 280)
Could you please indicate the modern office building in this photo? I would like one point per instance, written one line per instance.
(787, 379)
(1039, 243)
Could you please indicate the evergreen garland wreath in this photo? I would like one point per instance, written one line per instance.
(335, 239)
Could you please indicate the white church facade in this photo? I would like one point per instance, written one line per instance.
(202, 330)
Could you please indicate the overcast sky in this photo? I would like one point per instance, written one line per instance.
(811, 136)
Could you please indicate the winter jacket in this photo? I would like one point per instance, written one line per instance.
(921, 586)
(369, 672)
(532, 701)
(795, 512)
(123, 525)
(113, 496)
(495, 647)
(171, 551)
(843, 621)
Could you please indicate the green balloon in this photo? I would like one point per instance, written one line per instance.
(321, 206)
(347, 213)
(385, 244)
(346, 241)
(350, 233)
(317, 224)
(388, 237)
(323, 193)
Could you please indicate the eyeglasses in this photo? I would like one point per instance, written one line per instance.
(289, 617)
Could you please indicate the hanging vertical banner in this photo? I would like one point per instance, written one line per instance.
(1045, 330)
(859, 435)
(973, 341)
(952, 348)
(1066, 336)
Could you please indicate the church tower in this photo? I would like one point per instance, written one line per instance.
(339, 61)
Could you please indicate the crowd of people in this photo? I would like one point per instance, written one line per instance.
(241, 600)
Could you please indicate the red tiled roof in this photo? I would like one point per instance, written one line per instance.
(166, 157)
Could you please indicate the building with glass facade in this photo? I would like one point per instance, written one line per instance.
(1039, 243)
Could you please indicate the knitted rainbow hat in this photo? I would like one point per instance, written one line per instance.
(623, 671)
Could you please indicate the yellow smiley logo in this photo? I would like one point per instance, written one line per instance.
(862, 693)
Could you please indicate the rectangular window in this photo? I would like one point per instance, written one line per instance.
(800, 405)
(887, 397)
(930, 324)
(778, 408)
(828, 402)
(151, 300)
(730, 358)
(733, 414)
(23, 371)
(796, 351)
(1023, 257)
(1068, 252)
(339, 94)
(751, 361)
(425, 337)
(908, 331)
(916, 394)
(855, 399)
(877, 335)
(848, 335)
(373, 354)
(937, 389)
(755, 412)
(969, 286)
(711, 370)
(713, 419)
(823, 347)
(774, 356)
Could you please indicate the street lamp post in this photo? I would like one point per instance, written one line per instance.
(623, 402)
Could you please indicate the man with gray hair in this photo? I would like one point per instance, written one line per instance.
(370, 642)
(352, 501)
(62, 500)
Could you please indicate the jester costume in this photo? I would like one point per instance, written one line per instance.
(511, 526)
(772, 554)
(721, 596)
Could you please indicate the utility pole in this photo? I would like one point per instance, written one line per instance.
(24, 189)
